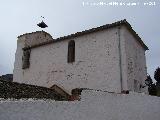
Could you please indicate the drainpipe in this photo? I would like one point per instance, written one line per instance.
(120, 57)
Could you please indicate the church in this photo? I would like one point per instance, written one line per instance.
(108, 58)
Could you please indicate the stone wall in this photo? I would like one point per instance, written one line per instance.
(18, 91)
(7, 77)
(94, 105)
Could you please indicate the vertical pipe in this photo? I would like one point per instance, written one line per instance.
(120, 59)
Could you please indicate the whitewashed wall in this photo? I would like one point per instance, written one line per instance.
(27, 40)
(108, 60)
(135, 62)
(93, 106)
(96, 63)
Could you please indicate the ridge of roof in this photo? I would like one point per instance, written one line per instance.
(103, 27)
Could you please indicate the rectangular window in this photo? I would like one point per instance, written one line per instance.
(25, 59)
(71, 51)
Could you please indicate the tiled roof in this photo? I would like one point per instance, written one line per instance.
(107, 26)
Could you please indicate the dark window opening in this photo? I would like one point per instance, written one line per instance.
(71, 51)
(25, 59)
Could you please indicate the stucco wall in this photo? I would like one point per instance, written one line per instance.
(27, 40)
(96, 63)
(93, 106)
(135, 62)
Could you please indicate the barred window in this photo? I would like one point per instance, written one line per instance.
(71, 51)
(25, 59)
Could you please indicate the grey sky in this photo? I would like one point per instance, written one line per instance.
(69, 16)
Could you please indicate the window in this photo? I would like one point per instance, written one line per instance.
(71, 51)
(25, 59)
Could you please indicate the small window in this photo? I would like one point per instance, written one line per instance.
(25, 59)
(71, 51)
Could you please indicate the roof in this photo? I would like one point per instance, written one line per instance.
(107, 26)
(34, 33)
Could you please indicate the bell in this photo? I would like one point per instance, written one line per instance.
(42, 24)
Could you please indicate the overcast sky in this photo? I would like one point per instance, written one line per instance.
(69, 16)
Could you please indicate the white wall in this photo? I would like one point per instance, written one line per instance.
(93, 106)
(108, 60)
(96, 63)
(27, 40)
(135, 61)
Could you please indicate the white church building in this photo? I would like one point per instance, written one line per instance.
(108, 58)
